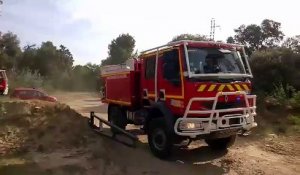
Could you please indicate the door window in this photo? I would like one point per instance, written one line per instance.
(150, 68)
(171, 69)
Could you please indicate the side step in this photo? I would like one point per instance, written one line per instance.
(96, 123)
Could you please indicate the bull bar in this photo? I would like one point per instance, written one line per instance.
(215, 122)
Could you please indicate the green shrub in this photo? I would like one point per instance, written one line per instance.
(294, 119)
(280, 94)
(295, 100)
(275, 66)
(25, 78)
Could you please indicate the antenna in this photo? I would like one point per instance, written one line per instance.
(213, 27)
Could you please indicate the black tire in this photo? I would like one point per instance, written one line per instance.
(159, 140)
(117, 116)
(221, 143)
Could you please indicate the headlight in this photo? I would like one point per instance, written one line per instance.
(187, 125)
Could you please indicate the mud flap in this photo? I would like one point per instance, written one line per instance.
(96, 123)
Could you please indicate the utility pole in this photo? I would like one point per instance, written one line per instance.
(213, 27)
(1, 3)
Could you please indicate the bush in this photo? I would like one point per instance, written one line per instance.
(294, 119)
(81, 78)
(280, 94)
(25, 78)
(295, 100)
(275, 66)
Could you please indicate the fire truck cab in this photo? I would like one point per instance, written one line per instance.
(182, 91)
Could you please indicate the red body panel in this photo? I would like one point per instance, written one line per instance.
(123, 88)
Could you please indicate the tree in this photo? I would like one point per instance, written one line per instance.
(50, 61)
(50, 66)
(271, 33)
(250, 35)
(120, 49)
(186, 36)
(267, 35)
(65, 58)
(292, 43)
(275, 66)
(86, 77)
(230, 40)
(28, 58)
(10, 44)
(45, 61)
(9, 50)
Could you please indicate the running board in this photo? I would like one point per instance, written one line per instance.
(96, 123)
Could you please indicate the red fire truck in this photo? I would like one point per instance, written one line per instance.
(3, 83)
(183, 91)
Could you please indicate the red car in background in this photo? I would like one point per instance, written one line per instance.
(31, 94)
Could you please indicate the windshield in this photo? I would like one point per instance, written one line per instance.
(215, 61)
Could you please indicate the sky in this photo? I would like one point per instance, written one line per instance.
(87, 27)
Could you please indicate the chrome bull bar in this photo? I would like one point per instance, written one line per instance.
(215, 122)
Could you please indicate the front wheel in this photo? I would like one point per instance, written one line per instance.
(159, 139)
(221, 143)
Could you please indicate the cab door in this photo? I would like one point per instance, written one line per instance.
(169, 76)
(148, 77)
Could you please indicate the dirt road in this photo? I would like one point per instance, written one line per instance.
(250, 155)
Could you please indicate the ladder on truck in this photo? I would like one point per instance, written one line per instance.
(96, 123)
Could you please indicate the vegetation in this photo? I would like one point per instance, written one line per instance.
(120, 49)
(51, 67)
(255, 37)
(275, 65)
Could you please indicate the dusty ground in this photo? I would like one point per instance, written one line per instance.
(99, 155)
(271, 155)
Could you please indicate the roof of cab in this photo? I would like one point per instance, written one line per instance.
(192, 43)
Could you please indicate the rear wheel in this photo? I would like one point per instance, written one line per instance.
(221, 143)
(117, 117)
(160, 141)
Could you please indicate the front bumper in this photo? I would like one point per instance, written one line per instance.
(193, 127)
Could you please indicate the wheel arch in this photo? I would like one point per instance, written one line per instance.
(157, 110)
(111, 105)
